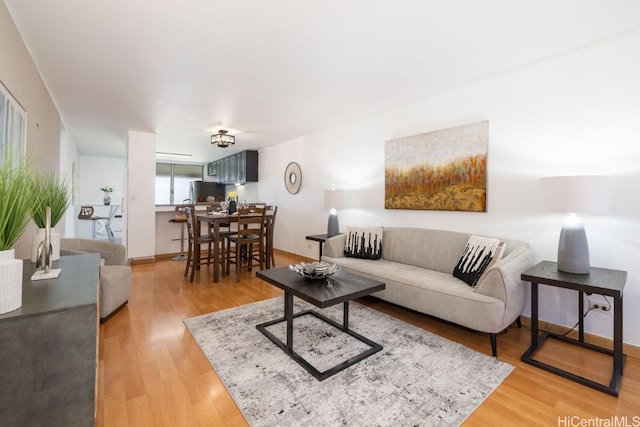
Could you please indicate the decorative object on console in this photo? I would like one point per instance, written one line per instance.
(223, 139)
(364, 242)
(479, 253)
(45, 254)
(586, 194)
(442, 170)
(293, 178)
(333, 200)
(107, 195)
(54, 195)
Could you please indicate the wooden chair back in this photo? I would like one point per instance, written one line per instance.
(251, 224)
(214, 207)
(86, 212)
(192, 223)
(271, 223)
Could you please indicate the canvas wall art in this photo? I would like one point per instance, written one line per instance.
(443, 170)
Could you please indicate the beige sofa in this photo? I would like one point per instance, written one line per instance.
(115, 273)
(417, 267)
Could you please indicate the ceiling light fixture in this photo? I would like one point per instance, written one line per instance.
(223, 139)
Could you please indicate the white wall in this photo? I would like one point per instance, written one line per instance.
(21, 77)
(574, 114)
(245, 193)
(69, 159)
(95, 172)
(140, 196)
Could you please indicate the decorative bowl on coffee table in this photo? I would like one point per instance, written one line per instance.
(314, 270)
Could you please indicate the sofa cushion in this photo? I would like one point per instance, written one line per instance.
(437, 250)
(363, 242)
(476, 257)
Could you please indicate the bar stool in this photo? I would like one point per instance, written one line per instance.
(179, 217)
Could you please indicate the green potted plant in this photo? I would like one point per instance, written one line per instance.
(53, 193)
(16, 203)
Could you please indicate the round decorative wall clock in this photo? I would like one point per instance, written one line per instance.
(293, 177)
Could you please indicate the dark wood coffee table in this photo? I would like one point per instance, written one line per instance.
(340, 287)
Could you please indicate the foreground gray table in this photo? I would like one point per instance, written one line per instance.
(341, 287)
(48, 359)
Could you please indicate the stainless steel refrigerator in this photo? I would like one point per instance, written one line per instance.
(200, 190)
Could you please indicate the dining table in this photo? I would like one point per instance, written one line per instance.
(215, 219)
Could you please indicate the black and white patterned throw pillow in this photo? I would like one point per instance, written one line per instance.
(478, 254)
(364, 242)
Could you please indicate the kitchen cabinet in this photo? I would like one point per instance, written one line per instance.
(212, 169)
(238, 168)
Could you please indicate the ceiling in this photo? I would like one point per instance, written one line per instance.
(272, 71)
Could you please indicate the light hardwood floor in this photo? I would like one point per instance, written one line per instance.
(152, 373)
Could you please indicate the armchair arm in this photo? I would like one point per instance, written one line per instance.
(112, 253)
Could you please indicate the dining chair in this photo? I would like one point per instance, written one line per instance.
(246, 245)
(271, 223)
(224, 228)
(86, 212)
(195, 259)
(217, 207)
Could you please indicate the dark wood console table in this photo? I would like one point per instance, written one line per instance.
(48, 360)
(599, 281)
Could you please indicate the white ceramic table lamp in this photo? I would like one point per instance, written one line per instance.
(573, 195)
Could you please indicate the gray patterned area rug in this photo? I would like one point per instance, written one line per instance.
(418, 379)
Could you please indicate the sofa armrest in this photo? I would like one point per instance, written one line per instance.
(501, 277)
(334, 246)
(502, 280)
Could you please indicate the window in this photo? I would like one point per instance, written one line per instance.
(13, 126)
(173, 182)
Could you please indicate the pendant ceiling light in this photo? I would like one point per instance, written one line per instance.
(223, 139)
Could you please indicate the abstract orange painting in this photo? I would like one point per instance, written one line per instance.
(443, 170)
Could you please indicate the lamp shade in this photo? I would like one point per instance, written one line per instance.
(333, 199)
(586, 194)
